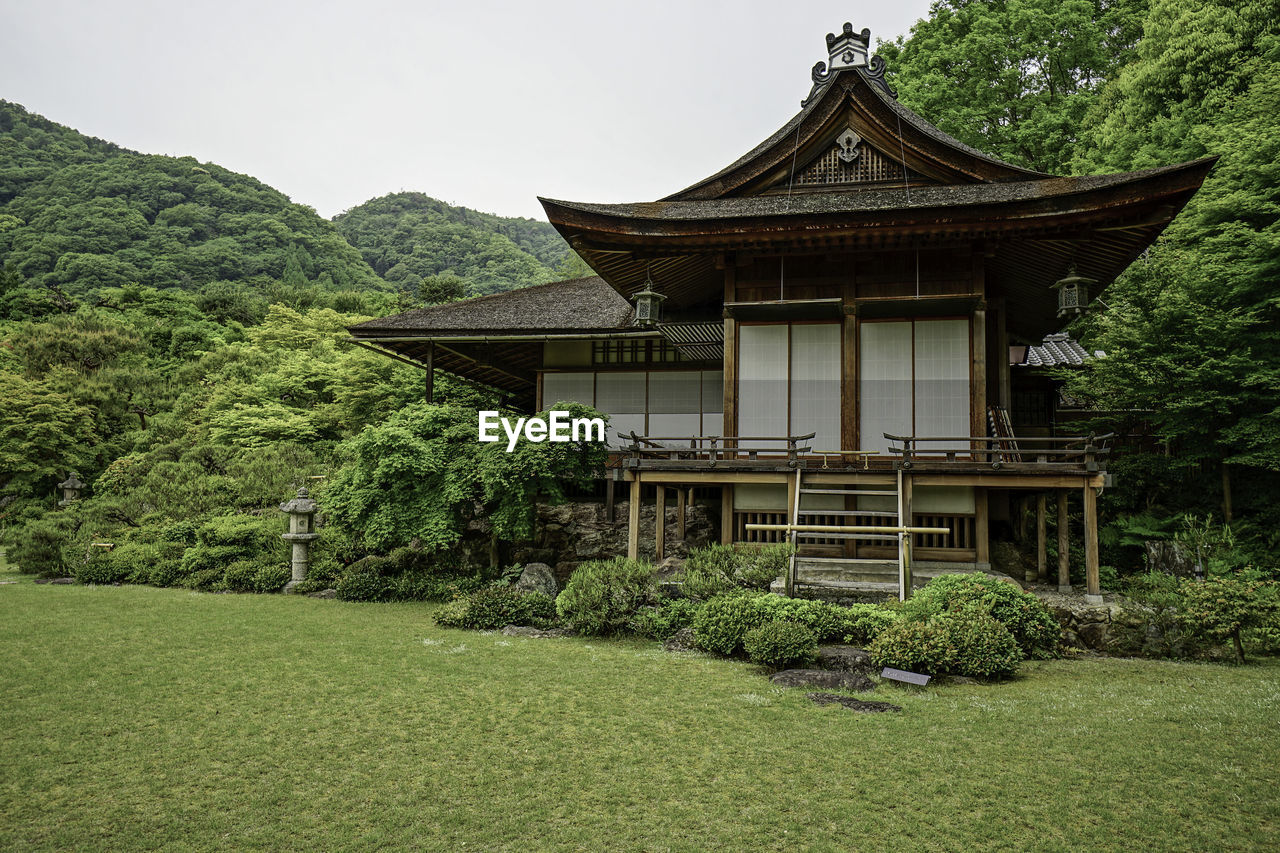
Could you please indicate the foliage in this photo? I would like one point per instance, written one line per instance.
(780, 644)
(663, 620)
(718, 568)
(415, 242)
(1026, 616)
(722, 622)
(1013, 77)
(966, 641)
(1222, 607)
(39, 547)
(364, 582)
(497, 607)
(602, 596)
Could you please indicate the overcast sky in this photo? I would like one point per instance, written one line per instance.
(486, 104)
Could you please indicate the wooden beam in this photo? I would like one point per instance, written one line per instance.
(730, 376)
(429, 393)
(680, 513)
(660, 526)
(633, 522)
(1041, 573)
(982, 526)
(714, 477)
(726, 514)
(1092, 586)
(1064, 544)
(1012, 481)
(1005, 395)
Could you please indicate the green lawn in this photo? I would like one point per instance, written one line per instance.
(133, 717)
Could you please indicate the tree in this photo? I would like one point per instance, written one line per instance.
(436, 289)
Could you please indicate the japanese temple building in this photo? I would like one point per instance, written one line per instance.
(822, 332)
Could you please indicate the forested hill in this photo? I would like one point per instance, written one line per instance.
(78, 214)
(407, 237)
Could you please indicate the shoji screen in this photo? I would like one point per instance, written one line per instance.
(675, 404)
(713, 402)
(622, 397)
(568, 388)
(815, 383)
(762, 381)
(942, 380)
(885, 388)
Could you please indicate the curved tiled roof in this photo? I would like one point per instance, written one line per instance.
(1057, 350)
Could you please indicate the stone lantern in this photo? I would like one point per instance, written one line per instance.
(71, 488)
(302, 527)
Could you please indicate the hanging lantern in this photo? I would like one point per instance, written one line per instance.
(648, 304)
(1073, 293)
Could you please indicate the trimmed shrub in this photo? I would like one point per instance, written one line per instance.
(780, 644)
(1221, 608)
(39, 547)
(718, 569)
(203, 579)
(721, 623)
(865, 622)
(665, 619)
(100, 569)
(602, 596)
(271, 577)
(363, 582)
(1027, 617)
(758, 568)
(239, 576)
(497, 607)
(955, 642)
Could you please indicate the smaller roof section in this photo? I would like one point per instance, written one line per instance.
(1057, 350)
(576, 305)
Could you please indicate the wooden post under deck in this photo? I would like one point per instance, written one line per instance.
(633, 521)
(1042, 567)
(681, 506)
(660, 526)
(1092, 586)
(981, 527)
(1064, 544)
(726, 514)
(978, 376)
(609, 498)
(906, 518)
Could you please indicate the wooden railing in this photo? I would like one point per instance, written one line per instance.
(714, 448)
(1087, 452)
(743, 517)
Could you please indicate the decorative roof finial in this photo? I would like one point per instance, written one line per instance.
(849, 50)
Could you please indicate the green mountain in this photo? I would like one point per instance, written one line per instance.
(407, 237)
(79, 214)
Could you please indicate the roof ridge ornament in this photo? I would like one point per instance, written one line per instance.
(849, 50)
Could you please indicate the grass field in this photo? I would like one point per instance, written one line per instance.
(139, 718)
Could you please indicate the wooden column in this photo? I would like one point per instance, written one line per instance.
(609, 488)
(660, 525)
(978, 377)
(1042, 556)
(730, 357)
(906, 518)
(981, 526)
(1064, 544)
(429, 392)
(1092, 586)
(633, 521)
(849, 382)
(726, 514)
(681, 507)
(1005, 396)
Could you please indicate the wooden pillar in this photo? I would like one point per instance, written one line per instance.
(1064, 544)
(726, 514)
(681, 507)
(906, 518)
(609, 488)
(1092, 586)
(978, 380)
(633, 521)
(429, 392)
(981, 527)
(730, 359)
(1005, 395)
(660, 525)
(1042, 556)
(849, 383)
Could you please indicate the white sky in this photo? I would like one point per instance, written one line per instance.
(486, 104)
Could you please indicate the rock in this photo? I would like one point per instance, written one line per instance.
(324, 593)
(668, 567)
(1094, 635)
(63, 580)
(680, 641)
(852, 704)
(538, 577)
(829, 679)
(1171, 558)
(536, 633)
(844, 659)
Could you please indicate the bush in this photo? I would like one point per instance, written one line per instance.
(760, 567)
(1221, 608)
(718, 569)
(664, 620)
(865, 622)
(204, 579)
(721, 623)
(956, 642)
(100, 569)
(780, 644)
(239, 576)
(497, 607)
(602, 596)
(39, 546)
(272, 577)
(363, 582)
(1028, 618)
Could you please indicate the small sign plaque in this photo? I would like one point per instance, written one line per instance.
(902, 675)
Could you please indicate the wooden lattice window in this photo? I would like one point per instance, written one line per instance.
(633, 352)
(870, 166)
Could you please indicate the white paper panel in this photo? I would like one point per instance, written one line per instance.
(567, 388)
(675, 392)
(942, 380)
(762, 383)
(620, 393)
(815, 383)
(885, 388)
